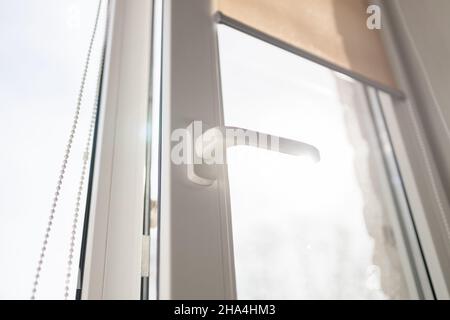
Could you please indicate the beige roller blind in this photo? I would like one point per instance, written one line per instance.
(333, 30)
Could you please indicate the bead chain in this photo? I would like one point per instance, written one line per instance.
(81, 186)
(66, 158)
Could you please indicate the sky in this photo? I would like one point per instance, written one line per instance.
(43, 46)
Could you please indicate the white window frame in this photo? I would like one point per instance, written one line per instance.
(421, 177)
(113, 250)
(195, 249)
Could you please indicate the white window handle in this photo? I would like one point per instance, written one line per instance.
(209, 146)
(235, 136)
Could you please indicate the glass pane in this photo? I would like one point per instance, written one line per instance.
(301, 230)
(43, 51)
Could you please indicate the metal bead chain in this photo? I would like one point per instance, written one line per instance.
(81, 186)
(66, 158)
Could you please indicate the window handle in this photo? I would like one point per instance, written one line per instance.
(209, 147)
(214, 138)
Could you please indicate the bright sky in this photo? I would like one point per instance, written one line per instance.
(43, 49)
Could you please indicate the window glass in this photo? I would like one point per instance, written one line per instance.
(300, 230)
(43, 51)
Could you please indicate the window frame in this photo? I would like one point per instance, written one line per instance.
(421, 177)
(112, 268)
(195, 248)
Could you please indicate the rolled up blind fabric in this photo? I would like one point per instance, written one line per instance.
(333, 30)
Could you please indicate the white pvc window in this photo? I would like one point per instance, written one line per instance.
(43, 63)
(341, 229)
(212, 244)
(327, 230)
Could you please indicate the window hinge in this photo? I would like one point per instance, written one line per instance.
(145, 260)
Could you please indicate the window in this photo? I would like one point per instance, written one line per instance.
(329, 230)
(264, 225)
(269, 225)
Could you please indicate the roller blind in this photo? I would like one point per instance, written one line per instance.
(333, 30)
